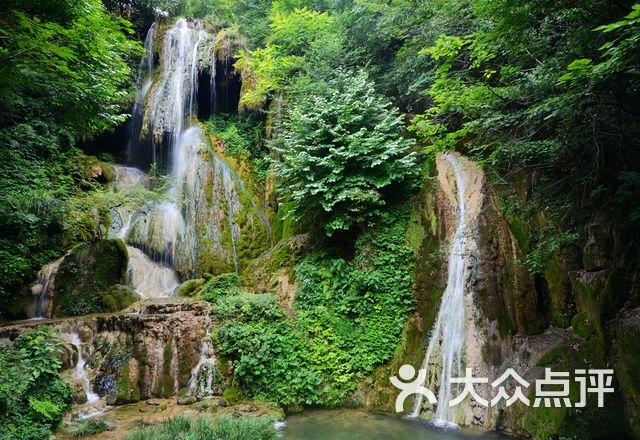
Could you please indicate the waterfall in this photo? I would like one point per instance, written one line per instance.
(80, 372)
(44, 287)
(203, 375)
(200, 214)
(173, 96)
(149, 279)
(449, 330)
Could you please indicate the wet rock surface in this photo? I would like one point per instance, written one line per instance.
(146, 351)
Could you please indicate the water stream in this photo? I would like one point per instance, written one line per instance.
(202, 377)
(80, 371)
(448, 333)
(44, 287)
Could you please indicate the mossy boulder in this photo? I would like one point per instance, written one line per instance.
(191, 288)
(93, 169)
(116, 298)
(88, 279)
(232, 395)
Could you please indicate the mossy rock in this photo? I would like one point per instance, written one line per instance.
(590, 422)
(88, 274)
(93, 169)
(191, 288)
(598, 296)
(258, 276)
(116, 298)
(232, 395)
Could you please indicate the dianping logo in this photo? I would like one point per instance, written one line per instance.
(552, 391)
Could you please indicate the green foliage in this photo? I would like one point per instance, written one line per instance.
(64, 76)
(342, 153)
(302, 42)
(347, 320)
(33, 398)
(220, 286)
(88, 427)
(242, 137)
(541, 85)
(537, 261)
(205, 428)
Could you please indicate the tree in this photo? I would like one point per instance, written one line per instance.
(65, 72)
(342, 152)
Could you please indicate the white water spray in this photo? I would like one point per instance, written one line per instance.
(44, 287)
(148, 278)
(449, 330)
(203, 374)
(80, 372)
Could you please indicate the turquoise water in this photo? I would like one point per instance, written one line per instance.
(359, 425)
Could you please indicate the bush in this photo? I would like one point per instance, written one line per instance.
(33, 398)
(88, 427)
(342, 153)
(349, 317)
(220, 286)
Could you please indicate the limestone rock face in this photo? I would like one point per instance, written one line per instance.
(147, 351)
(500, 299)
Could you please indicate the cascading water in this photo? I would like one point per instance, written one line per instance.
(449, 330)
(200, 212)
(80, 372)
(44, 287)
(202, 377)
(149, 279)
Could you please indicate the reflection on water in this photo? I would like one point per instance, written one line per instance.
(359, 425)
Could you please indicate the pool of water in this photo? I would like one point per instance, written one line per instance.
(359, 425)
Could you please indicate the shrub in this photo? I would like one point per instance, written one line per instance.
(349, 317)
(220, 286)
(342, 153)
(33, 398)
(88, 427)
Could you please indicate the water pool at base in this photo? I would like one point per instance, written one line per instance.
(359, 425)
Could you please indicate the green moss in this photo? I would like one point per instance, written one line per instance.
(116, 298)
(191, 288)
(88, 274)
(554, 356)
(108, 171)
(598, 296)
(232, 395)
(166, 382)
(128, 391)
(627, 368)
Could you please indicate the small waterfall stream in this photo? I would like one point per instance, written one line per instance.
(202, 377)
(44, 287)
(448, 333)
(92, 407)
